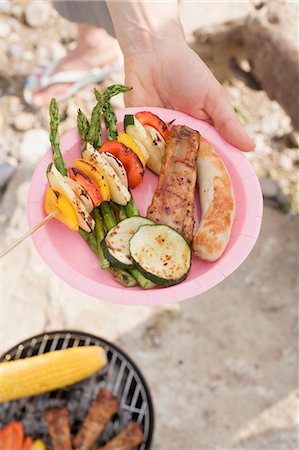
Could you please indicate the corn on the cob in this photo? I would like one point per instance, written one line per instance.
(43, 373)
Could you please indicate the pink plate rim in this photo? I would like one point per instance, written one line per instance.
(247, 237)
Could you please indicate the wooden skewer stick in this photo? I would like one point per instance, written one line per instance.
(30, 232)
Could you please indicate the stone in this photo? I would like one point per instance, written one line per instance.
(270, 188)
(57, 50)
(8, 26)
(5, 29)
(291, 139)
(34, 145)
(6, 172)
(24, 121)
(271, 43)
(285, 162)
(37, 13)
(5, 6)
(17, 11)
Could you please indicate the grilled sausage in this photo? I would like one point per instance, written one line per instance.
(217, 204)
(101, 411)
(59, 428)
(173, 201)
(129, 438)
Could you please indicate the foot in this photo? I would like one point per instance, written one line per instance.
(95, 48)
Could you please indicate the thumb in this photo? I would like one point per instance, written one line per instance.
(225, 120)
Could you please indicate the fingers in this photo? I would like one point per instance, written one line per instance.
(225, 120)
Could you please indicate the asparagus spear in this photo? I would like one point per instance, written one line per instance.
(123, 276)
(109, 116)
(122, 213)
(90, 239)
(82, 125)
(119, 211)
(141, 280)
(120, 275)
(54, 137)
(111, 91)
(99, 232)
(109, 113)
(106, 213)
(110, 121)
(131, 208)
(95, 129)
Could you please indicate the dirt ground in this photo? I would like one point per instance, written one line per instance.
(222, 367)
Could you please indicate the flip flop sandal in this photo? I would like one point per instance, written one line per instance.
(44, 77)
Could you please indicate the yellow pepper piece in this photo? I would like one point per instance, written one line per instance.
(55, 200)
(129, 142)
(38, 445)
(96, 175)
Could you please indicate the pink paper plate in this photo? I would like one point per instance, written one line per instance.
(70, 258)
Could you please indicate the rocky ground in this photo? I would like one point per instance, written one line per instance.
(222, 367)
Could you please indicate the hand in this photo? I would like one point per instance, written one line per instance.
(175, 77)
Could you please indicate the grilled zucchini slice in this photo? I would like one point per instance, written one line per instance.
(116, 244)
(161, 254)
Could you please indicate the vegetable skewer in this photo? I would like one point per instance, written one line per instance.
(61, 187)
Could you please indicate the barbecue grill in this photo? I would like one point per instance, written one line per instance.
(121, 376)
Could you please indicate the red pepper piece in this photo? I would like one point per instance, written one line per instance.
(148, 118)
(87, 183)
(130, 160)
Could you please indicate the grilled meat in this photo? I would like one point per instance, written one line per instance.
(59, 428)
(173, 201)
(101, 411)
(129, 438)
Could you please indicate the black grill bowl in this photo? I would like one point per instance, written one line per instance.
(121, 376)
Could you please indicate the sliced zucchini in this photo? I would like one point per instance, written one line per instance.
(156, 149)
(161, 254)
(58, 183)
(129, 119)
(136, 130)
(118, 192)
(117, 166)
(117, 241)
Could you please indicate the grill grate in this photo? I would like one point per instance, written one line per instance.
(121, 376)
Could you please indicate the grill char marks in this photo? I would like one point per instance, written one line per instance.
(173, 201)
